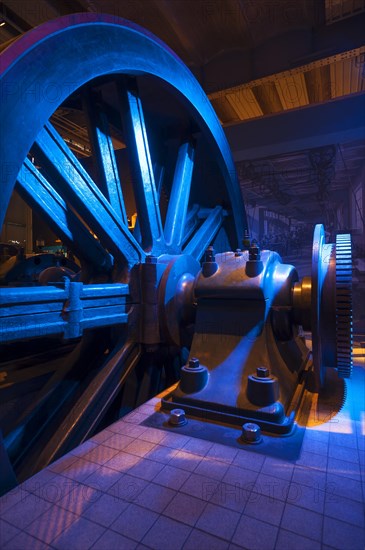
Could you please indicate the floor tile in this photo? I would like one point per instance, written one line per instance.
(234, 497)
(211, 468)
(344, 468)
(185, 461)
(199, 486)
(344, 487)
(340, 452)
(79, 498)
(154, 497)
(240, 477)
(146, 469)
(345, 509)
(174, 440)
(264, 508)
(12, 497)
(80, 469)
(309, 477)
(139, 447)
(62, 463)
(122, 462)
(277, 468)
(80, 534)
(102, 436)
(302, 522)
(103, 478)
(310, 498)
(172, 477)
(246, 459)
(167, 534)
(112, 540)
(161, 454)
(313, 460)
(222, 453)
(118, 441)
(185, 509)
(254, 534)
(198, 446)
(23, 541)
(287, 541)
(105, 510)
(7, 532)
(135, 417)
(25, 511)
(131, 430)
(342, 536)
(128, 488)
(153, 435)
(203, 541)
(101, 454)
(84, 448)
(348, 441)
(218, 521)
(315, 446)
(51, 524)
(134, 522)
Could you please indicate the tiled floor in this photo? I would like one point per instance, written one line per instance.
(137, 487)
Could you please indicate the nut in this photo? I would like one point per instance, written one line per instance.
(262, 372)
(251, 433)
(194, 363)
(177, 417)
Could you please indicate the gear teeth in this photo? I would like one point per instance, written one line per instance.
(344, 305)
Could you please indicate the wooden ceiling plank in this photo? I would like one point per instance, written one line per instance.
(245, 104)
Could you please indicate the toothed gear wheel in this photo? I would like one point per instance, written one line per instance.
(344, 305)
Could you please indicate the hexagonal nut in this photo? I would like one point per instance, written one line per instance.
(177, 417)
(194, 363)
(251, 433)
(262, 372)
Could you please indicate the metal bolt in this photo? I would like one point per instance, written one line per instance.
(238, 252)
(177, 417)
(246, 240)
(194, 363)
(151, 259)
(210, 254)
(251, 433)
(262, 372)
(254, 253)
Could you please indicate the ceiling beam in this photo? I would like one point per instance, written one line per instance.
(337, 121)
(280, 53)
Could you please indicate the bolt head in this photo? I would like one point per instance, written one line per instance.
(194, 363)
(262, 372)
(210, 254)
(251, 433)
(177, 417)
(238, 252)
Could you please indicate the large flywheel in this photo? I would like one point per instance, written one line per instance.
(132, 295)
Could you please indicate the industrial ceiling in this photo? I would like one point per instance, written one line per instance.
(286, 78)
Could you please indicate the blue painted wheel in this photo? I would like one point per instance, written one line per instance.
(182, 157)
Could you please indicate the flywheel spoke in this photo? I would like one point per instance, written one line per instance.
(43, 198)
(142, 171)
(70, 176)
(179, 198)
(103, 150)
(92, 405)
(205, 234)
